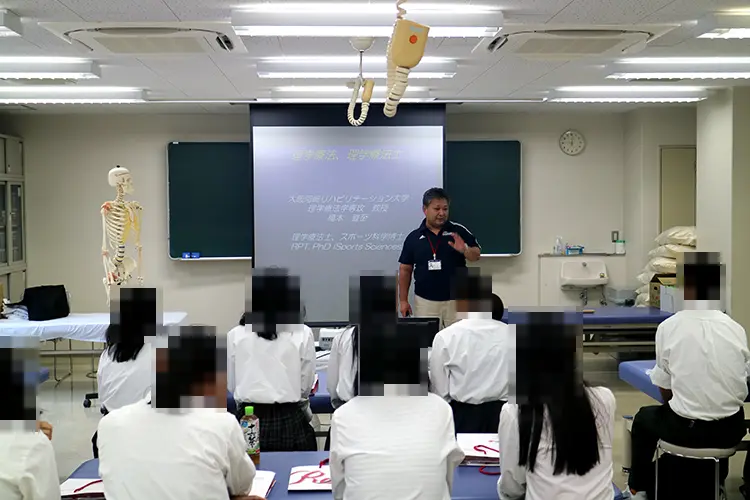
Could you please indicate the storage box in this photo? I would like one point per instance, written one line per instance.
(657, 282)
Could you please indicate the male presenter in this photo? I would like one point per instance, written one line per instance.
(432, 253)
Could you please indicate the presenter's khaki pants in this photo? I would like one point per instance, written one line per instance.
(445, 310)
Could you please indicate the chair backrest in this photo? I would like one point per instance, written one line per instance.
(696, 453)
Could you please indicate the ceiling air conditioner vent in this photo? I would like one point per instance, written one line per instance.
(150, 38)
(545, 43)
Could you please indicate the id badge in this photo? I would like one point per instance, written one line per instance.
(434, 265)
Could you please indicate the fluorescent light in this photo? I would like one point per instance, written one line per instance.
(625, 100)
(333, 9)
(360, 31)
(346, 60)
(348, 75)
(44, 100)
(42, 60)
(686, 60)
(31, 70)
(648, 89)
(334, 88)
(680, 76)
(727, 34)
(70, 95)
(323, 100)
(10, 24)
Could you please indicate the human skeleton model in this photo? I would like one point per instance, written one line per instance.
(120, 219)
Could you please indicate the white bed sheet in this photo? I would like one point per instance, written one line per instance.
(90, 327)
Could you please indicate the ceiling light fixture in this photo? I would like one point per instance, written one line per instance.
(324, 100)
(625, 100)
(347, 60)
(347, 75)
(718, 61)
(646, 89)
(331, 88)
(70, 95)
(10, 24)
(75, 70)
(375, 20)
(681, 76)
(725, 26)
(681, 68)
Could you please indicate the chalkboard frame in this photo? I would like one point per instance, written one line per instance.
(169, 213)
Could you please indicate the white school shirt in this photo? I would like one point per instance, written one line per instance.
(271, 371)
(542, 484)
(122, 384)
(28, 470)
(470, 360)
(342, 368)
(198, 454)
(393, 446)
(702, 356)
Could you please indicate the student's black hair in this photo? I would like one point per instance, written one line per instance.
(132, 318)
(192, 358)
(19, 398)
(498, 308)
(435, 193)
(702, 275)
(373, 301)
(275, 301)
(551, 392)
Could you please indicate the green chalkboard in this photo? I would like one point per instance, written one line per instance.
(210, 200)
(483, 179)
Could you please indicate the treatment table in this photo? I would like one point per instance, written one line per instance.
(468, 482)
(621, 329)
(84, 327)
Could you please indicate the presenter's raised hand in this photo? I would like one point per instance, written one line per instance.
(404, 308)
(458, 244)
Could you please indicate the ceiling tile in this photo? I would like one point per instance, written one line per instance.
(41, 10)
(691, 10)
(608, 11)
(507, 76)
(120, 10)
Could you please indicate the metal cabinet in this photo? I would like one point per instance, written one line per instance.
(12, 210)
(17, 252)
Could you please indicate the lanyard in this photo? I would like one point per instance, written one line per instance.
(433, 248)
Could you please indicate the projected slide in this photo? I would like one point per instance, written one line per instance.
(335, 202)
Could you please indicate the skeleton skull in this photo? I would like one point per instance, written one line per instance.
(120, 177)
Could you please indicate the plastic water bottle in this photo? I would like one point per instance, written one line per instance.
(559, 247)
(251, 429)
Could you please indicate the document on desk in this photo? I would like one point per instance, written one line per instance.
(262, 483)
(310, 478)
(82, 488)
(480, 449)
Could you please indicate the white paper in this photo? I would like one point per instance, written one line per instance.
(262, 483)
(69, 487)
(310, 478)
(479, 449)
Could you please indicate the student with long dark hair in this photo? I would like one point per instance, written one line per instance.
(179, 443)
(271, 363)
(125, 371)
(368, 302)
(555, 439)
(393, 439)
(470, 360)
(28, 470)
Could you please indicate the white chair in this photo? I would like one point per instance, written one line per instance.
(714, 454)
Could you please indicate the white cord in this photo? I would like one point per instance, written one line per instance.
(356, 122)
(398, 78)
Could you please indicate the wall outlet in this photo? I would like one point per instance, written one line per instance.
(615, 236)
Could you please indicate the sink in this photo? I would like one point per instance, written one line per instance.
(583, 273)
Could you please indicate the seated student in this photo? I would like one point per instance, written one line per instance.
(469, 363)
(125, 370)
(701, 359)
(342, 363)
(394, 439)
(177, 445)
(555, 434)
(28, 470)
(271, 364)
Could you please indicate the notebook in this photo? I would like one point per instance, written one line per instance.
(82, 488)
(310, 478)
(263, 482)
(480, 449)
(94, 488)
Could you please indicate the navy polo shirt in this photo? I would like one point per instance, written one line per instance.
(418, 251)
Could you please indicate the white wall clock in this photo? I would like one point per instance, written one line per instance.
(572, 143)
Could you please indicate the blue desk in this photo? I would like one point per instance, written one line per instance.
(468, 483)
(320, 402)
(634, 373)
